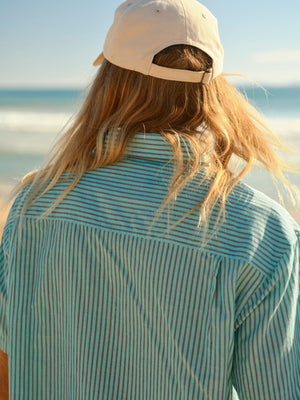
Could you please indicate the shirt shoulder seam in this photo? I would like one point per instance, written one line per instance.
(209, 252)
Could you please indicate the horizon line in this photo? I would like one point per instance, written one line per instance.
(250, 85)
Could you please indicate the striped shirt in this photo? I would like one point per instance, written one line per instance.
(95, 305)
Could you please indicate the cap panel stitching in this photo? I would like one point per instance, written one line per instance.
(185, 25)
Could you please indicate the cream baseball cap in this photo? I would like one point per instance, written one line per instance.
(142, 28)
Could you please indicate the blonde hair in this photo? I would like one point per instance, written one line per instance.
(214, 120)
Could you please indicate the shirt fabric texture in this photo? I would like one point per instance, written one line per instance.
(95, 305)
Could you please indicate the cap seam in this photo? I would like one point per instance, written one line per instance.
(185, 24)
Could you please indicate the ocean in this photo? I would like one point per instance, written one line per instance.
(32, 120)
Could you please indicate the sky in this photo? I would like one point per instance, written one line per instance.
(52, 44)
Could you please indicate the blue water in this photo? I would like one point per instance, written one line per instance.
(272, 101)
(41, 99)
(275, 101)
(31, 120)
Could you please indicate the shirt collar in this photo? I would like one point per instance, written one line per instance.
(154, 147)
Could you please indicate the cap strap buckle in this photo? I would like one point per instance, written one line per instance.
(207, 75)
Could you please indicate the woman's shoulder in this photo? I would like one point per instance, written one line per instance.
(257, 231)
(261, 216)
(252, 201)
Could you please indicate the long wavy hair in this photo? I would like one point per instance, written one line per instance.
(215, 120)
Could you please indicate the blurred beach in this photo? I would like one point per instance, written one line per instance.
(31, 121)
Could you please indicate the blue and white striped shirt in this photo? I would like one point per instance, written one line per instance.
(93, 305)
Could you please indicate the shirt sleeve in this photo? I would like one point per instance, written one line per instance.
(3, 299)
(11, 222)
(266, 362)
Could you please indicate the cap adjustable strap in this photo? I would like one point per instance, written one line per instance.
(172, 74)
(180, 75)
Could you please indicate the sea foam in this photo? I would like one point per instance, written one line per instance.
(33, 121)
(285, 127)
(28, 131)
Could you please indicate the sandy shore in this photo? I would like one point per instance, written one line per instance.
(4, 204)
(3, 215)
(296, 215)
